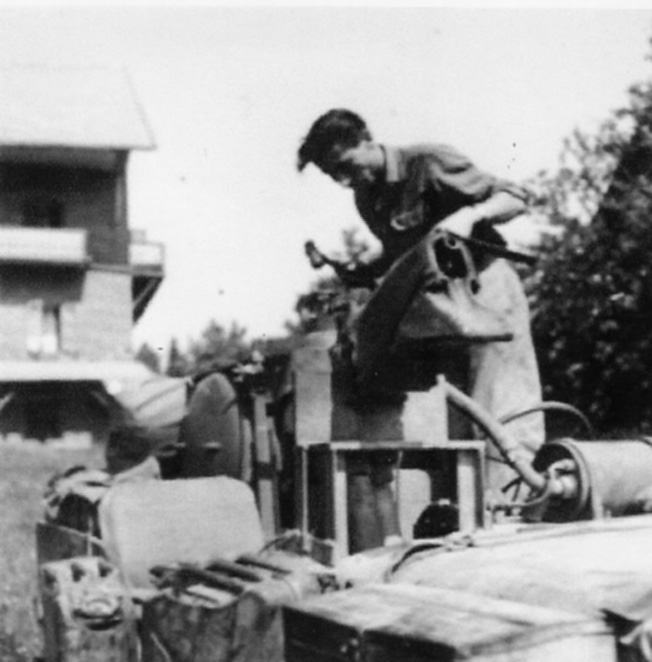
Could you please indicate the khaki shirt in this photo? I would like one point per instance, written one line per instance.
(423, 185)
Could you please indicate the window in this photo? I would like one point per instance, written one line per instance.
(43, 214)
(44, 328)
(51, 330)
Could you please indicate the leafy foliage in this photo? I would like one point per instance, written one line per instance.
(591, 294)
(178, 364)
(218, 348)
(149, 357)
(313, 308)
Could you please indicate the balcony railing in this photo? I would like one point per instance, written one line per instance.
(60, 246)
(147, 258)
(68, 247)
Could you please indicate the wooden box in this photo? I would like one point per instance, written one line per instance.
(407, 623)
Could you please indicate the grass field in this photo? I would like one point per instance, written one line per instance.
(24, 472)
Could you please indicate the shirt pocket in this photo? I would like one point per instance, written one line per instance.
(407, 218)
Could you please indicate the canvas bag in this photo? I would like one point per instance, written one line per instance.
(428, 295)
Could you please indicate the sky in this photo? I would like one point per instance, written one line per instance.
(229, 92)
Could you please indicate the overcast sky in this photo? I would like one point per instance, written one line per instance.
(229, 93)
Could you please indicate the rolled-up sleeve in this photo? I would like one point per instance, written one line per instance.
(451, 173)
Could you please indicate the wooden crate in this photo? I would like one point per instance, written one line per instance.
(87, 617)
(406, 623)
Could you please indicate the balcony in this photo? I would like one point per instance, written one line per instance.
(147, 261)
(146, 258)
(65, 247)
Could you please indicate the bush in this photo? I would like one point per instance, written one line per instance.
(591, 294)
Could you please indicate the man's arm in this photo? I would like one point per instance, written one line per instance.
(499, 208)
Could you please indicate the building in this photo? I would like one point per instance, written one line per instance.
(74, 278)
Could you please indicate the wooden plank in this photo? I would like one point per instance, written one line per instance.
(266, 488)
(470, 489)
(313, 407)
(57, 543)
(340, 495)
(464, 457)
(312, 381)
(301, 492)
(425, 417)
(399, 445)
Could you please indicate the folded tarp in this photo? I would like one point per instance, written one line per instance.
(149, 523)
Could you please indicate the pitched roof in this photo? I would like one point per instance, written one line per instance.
(70, 107)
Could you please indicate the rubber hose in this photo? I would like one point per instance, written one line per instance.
(505, 444)
(551, 405)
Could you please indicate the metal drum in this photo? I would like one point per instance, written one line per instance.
(612, 478)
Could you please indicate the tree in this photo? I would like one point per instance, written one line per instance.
(149, 357)
(314, 308)
(218, 348)
(591, 294)
(177, 365)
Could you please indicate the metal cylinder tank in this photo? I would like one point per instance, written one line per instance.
(612, 478)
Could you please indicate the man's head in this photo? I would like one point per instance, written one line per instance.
(340, 145)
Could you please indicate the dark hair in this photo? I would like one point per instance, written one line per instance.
(336, 127)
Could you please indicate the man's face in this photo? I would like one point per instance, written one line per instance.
(353, 167)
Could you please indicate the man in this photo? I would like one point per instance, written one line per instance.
(401, 194)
